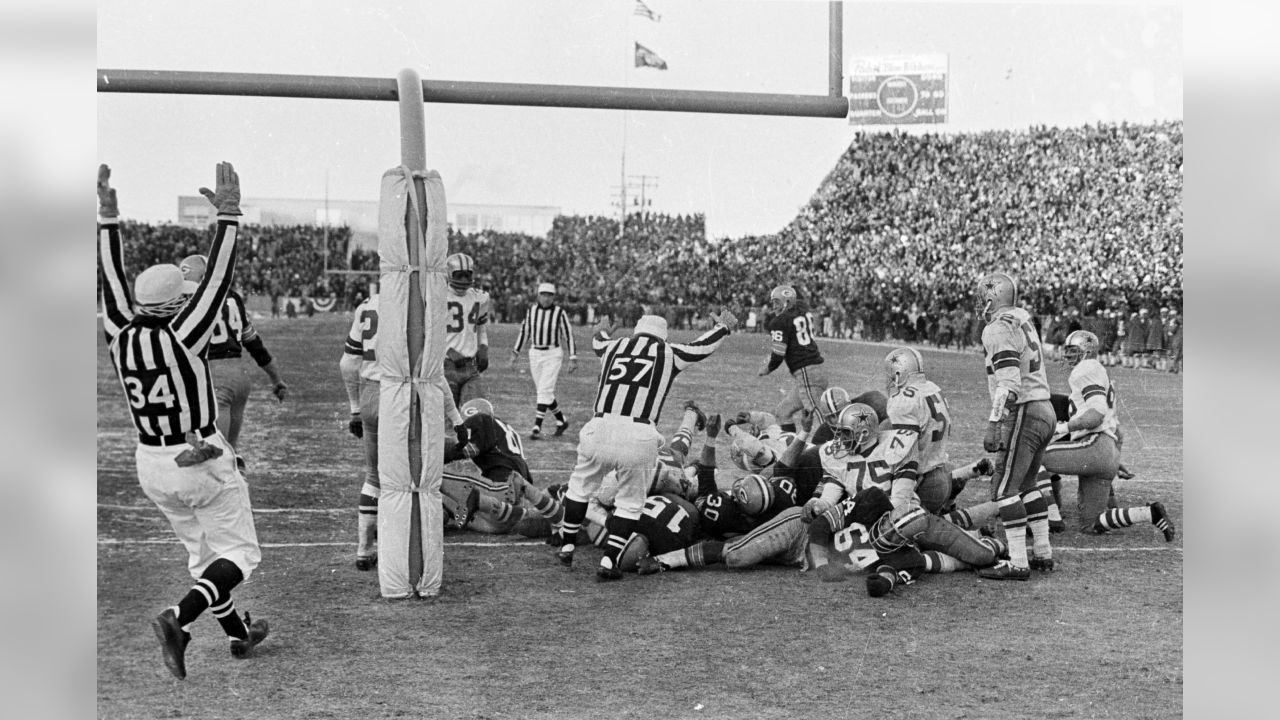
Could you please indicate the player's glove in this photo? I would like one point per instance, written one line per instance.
(726, 318)
(462, 434)
(1061, 429)
(482, 358)
(356, 425)
(813, 508)
(994, 441)
(280, 390)
(107, 207)
(227, 196)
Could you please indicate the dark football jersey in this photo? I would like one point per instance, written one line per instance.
(721, 518)
(784, 496)
(231, 330)
(669, 522)
(806, 476)
(496, 443)
(794, 329)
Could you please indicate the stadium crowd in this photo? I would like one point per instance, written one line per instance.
(1088, 219)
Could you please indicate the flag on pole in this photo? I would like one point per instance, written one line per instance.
(648, 58)
(644, 11)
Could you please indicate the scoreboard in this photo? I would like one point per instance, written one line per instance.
(897, 90)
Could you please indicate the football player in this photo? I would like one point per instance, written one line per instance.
(855, 459)
(233, 333)
(898, 542)
(1019, 426)
(1091, 450)
(506, 486)
(466, 333)
(791, 341)
(921, 422)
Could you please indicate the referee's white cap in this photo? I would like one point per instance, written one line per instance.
(547, 288)
(160, 284)
(654, 325)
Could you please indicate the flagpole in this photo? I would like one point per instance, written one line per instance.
(626, 81)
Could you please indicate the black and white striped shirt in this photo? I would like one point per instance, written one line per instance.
(636, 371)
(161, 361)
(545, 328)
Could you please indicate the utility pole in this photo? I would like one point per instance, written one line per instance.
(638, 187)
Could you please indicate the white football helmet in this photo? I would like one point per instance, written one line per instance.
(1078, 346)
(856, 429)
(461, 272)
(899, 365)
(781, 298)
(753, 493)
(995, 292)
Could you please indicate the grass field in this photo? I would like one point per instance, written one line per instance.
(514, 635)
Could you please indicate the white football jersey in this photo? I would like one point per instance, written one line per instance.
(856, 471)
(1091, 388)
(464, 316)
(919, 408)
(364, 337)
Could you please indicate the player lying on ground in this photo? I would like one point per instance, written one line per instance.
(505, 491)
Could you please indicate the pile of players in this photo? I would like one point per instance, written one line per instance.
(862, 485)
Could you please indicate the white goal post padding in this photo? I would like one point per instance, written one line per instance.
(396, 508)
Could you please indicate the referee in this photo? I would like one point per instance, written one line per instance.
(635, 376)
(158, 336)
(546, 329)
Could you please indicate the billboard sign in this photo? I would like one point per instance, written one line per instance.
(897, 89)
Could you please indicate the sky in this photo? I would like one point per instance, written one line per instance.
(1011, 65)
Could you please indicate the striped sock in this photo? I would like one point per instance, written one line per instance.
(1038, 519)
(367, 524)
(1124, 517)
(961, 517)
(1013, 515)
(230, 620)
(936, 562)
(213, 589)
(538, 414)
(1045, 486)
(682, 440)
(620, 531)
(554, 409)
(574, 513)
(547, 506)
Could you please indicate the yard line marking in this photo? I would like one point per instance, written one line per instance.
(533, 543)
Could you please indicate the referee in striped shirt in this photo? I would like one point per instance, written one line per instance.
(636, 373)
(546, 329)
(158, 337)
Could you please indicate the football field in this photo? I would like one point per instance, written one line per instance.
(515, 635)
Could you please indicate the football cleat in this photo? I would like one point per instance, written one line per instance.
(1043, 564)
(649, 565)
(173, 642)
(565, 555)
(468, 510)
(366, 562)
(561, 427)
(536, 434)
(1057, 526)
(1124, 473)
(701, 422)
(1160, 518)
(1004, 570)
(607, 570)
(257, 633)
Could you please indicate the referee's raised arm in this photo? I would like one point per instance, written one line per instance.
(117, 302)
(194, 323)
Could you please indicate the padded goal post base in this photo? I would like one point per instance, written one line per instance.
(410, 519)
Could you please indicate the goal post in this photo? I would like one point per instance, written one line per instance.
(412, 245)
